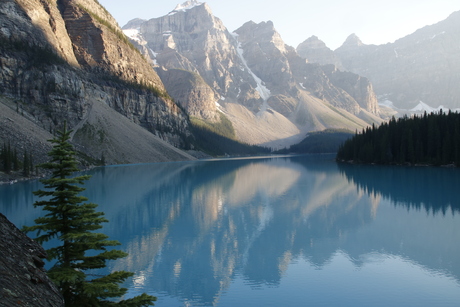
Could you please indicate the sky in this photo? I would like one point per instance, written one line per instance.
(332, 21)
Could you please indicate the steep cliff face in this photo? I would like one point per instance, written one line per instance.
(100, 44)
(262, 85)
(421, 67)
(23, 281)
(192, 92)
(61, 58)
(358, 87)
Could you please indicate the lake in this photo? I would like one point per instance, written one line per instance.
(277, 231)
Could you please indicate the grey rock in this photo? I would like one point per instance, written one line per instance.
(315, 51)
(422, 66)
(23, 279)
(62, 60)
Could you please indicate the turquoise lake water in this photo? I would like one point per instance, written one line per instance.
(277, 231)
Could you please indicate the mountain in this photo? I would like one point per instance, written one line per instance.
(417, 72)
(270, 94)
(315, 51)
(135, 100)
(68, 60)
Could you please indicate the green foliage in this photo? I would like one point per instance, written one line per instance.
(325, 141)
(224, 127)
(73, 223)
(429, 139)
(115, 81)
(218, 139)
(37, 56)
(7, 158)
(10, 161)
(27, 164)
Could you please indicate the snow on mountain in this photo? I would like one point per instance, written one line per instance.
(422, 107)
(133, 34)
(261, 88)
(185, 6)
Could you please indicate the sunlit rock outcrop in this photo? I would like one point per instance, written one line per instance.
(62, 60)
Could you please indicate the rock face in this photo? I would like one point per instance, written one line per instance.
(23, 281)
(421, 67)
(315, 50)
(262, 85)
(191, 91)
(59, 59)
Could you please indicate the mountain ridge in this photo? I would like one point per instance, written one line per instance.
(250, 81)
(419, 68)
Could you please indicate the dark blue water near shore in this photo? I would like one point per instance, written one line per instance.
(282, 231)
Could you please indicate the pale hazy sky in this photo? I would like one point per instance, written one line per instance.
(375, 22)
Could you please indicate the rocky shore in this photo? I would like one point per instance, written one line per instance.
(23, 280)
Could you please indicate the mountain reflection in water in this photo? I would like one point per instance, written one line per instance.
(193, 229)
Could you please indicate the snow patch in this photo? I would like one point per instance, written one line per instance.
(133, 34)
(443, 32)
(264, 92)
(185, 6)
(422, 107)
(219, 106)
(154, 55)
(301, 84)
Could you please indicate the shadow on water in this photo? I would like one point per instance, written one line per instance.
(429, 188)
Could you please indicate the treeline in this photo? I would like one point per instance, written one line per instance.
(11, 162)
(218, 139)
(432, 139)
(326, 141)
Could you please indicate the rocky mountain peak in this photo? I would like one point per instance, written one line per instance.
(134, 23)
(313, 42)
(266, 90)
(263, 32)
(420, 67)
(186, 6)
(315, 50)
(352, 41)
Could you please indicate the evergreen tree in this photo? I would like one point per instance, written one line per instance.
(15, 160)
(73, 223)
(26, 164)
(7, 158)
(31, 163)
(428, 139)
(3, 157)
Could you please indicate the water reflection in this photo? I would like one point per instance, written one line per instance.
(191, 229)
(416, 187)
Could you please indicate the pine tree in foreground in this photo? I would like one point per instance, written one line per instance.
(73, 223)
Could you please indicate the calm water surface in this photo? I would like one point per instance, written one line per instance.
(284, 231)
